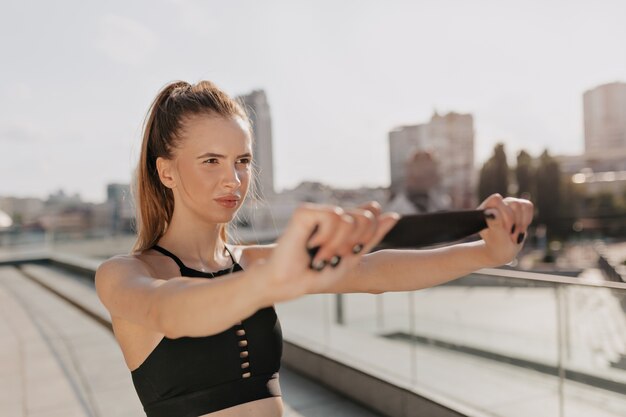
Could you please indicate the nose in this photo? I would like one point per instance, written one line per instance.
(231, 179)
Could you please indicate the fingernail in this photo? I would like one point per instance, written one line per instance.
(520, 238)
(490, 214)
(319, 265)
(512, 229)
(334, 261)
(313, 251)
(357, 248)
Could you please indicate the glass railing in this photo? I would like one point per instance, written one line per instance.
(497, 343)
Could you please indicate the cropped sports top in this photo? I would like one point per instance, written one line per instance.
(192, 376)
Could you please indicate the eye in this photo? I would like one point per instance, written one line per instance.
(245, 161)
(209, 161)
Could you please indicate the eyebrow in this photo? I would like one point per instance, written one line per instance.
(217, 155)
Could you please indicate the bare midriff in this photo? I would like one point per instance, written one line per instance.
(266, 407)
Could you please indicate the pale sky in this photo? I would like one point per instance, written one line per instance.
(78, 76)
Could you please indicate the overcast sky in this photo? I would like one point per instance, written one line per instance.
(78, 76)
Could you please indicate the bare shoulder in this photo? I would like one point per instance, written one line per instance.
(120, 266)
(250, 254)
(121, 278)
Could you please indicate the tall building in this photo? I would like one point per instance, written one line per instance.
(119, 201)
(450, 138)
(258, 110)
(605, 117)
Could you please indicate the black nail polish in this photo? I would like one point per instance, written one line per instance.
(520, 237)
(334, 261)
(313, 251)
(357, 248)
(512, 229)
(319, 265)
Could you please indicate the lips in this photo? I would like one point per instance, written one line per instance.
(228, 198)
(229, 201)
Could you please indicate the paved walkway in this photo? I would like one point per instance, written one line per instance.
(55, 361)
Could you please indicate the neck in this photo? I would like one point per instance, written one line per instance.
(197, 244)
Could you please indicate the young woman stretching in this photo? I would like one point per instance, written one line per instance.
(194, 314)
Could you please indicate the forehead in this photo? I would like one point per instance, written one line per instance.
(218, 134)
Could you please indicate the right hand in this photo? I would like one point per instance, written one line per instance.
(336, 231)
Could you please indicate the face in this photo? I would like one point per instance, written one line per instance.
(210, 171)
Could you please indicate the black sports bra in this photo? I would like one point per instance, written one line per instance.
(192, 376)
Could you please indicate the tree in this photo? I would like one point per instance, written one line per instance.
(548, 198)
(524, 175)
(494, 175)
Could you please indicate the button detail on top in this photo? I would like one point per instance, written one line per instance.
(245, 365)
(241, 332)
(243, 343)
(243, 354)
(246, 375)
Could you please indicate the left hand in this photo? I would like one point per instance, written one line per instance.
(507, 231)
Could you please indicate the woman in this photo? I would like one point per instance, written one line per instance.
(212, 347)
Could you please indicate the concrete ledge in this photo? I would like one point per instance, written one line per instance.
(25, 260)
(81, 266)
(369, 391)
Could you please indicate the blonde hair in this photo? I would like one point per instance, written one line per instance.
(161, 134)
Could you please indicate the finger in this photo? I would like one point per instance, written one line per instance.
(304, 223)
(516, 210)
(520, 232)
(507, 216)
(325, 219)
(490, 201)
(339, 242)
(494, 218)
(493, 205)
(372, 206)
(385, 222)
(528, 210)
(366, 225)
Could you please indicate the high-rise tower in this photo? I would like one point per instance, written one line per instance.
(605, 117)
(258, 110)
(450, 138)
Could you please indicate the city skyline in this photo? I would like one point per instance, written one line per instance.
(338, 79)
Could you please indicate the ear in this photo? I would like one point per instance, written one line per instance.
(165, 170)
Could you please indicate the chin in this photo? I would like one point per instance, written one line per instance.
(225, 218)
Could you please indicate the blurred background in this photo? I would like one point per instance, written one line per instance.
(422, 106)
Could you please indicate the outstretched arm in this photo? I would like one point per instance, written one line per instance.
(183, 306)
(406, 270)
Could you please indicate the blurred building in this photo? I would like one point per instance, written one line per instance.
(22, 210)
(120, 208)
(594, 183)
(74, 221)
(258, 110)
(601, 169)
(605, 117)
(266, 219)
(422, 192)
(60, 200)
(599, 160)
(5, 220)
(450, 139)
